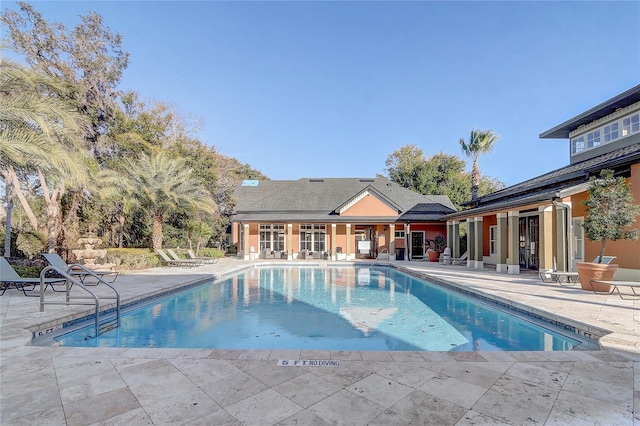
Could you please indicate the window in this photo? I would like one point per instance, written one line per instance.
(631, 125)
(399, 234)
(493, 240)
(313, 237)
(578, 239)
(577, 145)
(593, 139)
(272, 237)
(610, 132)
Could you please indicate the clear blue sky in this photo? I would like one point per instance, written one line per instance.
(330, 89)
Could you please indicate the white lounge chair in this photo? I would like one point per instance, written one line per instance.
(615, 286)
(177, 262)
(10, 278)
(78, 270)
(204, 259)
(565, 277)
(459, 260)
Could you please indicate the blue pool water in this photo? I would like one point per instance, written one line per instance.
(337, 308)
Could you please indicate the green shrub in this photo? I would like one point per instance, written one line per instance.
(210, 252)
(28, 271)
(132, 258)
(31, 243)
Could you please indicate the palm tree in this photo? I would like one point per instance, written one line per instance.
(480, 142)
(33, 120)
(160, 184)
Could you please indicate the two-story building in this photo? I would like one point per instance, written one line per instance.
(528, 225)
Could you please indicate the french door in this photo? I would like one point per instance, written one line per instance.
(529, 235)
(417, 244)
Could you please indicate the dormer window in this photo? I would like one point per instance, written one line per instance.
(631, 124)
(577, 145)
(593, 139)
(610, 132)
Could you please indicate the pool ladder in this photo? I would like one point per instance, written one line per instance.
(381, 256)
(100, 327)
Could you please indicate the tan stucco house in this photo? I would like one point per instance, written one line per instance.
(335, 218)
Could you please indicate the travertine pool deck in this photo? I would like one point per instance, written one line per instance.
(109, 386)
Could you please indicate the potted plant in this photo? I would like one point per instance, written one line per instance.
(436, 247)
(610, 210)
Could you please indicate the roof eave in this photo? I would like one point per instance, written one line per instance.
(561, 131)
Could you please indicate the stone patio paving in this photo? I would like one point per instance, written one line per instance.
(109, 386)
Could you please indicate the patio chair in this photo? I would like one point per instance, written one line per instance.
(615, 286)
(10, 278)
(567, 278)
(460, 260)
(177, 262)
(204, 259)
(560, 277)
(174, 255)
(79, 270)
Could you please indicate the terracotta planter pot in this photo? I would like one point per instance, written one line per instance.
(588, 271)
(433, 255)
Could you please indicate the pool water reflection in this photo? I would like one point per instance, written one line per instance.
(336, 308)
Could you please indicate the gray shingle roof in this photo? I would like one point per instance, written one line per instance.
(316, 199)
(546, 186)
(626, 98)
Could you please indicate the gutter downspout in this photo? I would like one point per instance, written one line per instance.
(569, 234)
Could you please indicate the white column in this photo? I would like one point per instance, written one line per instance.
(471, 242)
(479, 263)
(545, 237)
(501, 243)
(333, 241)
(245, 239)
(392, 241)
(513, 262)
(348, 245)
(407, 241)
(290, 241)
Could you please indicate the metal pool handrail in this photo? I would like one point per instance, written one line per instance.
(70, 281)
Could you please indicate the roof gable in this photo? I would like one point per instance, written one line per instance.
(368, 191)
(367, 203)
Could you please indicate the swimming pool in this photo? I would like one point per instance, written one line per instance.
(337, 308)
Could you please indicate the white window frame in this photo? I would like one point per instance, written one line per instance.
(493, 240)
(593, 139)
(577, 145)
(611, 132)
(631, 124)
(313, 237)
(272, 237)
(399, 234)
(578, 240)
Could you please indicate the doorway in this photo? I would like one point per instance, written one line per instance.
(529, 236)
(417, 245)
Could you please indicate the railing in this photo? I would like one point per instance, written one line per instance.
(70, 299)
(384, 255)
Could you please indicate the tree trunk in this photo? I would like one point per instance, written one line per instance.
(120, 230)
(23, 201)
(53, 210)
(156, 237)
(10, 193)
(475, 180)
